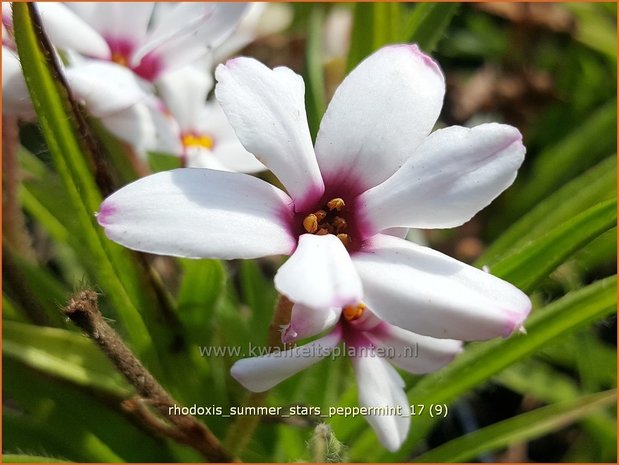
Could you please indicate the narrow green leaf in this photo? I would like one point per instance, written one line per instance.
(374, 26)
(523, 427)
(427, 23)
(55, 418)
(595, 185)
(588, 143)
(480, 361)
(14, 458)
(64, 354)
(314, 73)
(109, 263)
(526, 267)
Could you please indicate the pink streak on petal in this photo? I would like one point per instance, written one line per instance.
(105, 213)
(514, 321)
(415, 50)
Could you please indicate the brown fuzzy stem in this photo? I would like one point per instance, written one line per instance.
(84, 312)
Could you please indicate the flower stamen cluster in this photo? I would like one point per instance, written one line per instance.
(327, 221)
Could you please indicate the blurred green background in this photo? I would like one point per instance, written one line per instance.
(547, 68)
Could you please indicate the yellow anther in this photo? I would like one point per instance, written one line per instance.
(339, 224)
(345, 238)
(310, 223)
(336, 204)
(353, 312)
(120, 59)
(200, 141)
(320, 215)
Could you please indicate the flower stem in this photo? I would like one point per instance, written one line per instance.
(84, 312)
(242, 430)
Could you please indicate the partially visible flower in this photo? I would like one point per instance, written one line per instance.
(372, 345)
(206, 139)
(374, 167)
(184, 34)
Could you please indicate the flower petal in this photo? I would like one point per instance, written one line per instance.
(146, 127)
(105, 87)
(67, 30)
(122, 24)
(199, 213)
(378, 116)
(455, 173)
(425, 291)
(187, 32)
(259, 374)
(307, 322)
(319, 274)
(413, 352)
(184, 92)
(381, 387)
(267, 110)
(228, 149)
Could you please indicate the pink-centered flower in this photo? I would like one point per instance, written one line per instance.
(372, 345)
(374, 167)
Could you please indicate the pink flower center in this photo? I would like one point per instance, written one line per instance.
(149, 66)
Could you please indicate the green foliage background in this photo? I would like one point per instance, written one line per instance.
(553, 234)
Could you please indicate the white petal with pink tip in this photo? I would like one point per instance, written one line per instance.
(378, 116)
(193, 213)
(455, 173)
(425, 291)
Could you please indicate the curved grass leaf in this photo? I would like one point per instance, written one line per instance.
(595, 185)
(520, 428)
(526, 267)
(314, 75)
(588, 143)
(15, 458)
(109, 263)
(427, 23)
(63, 354)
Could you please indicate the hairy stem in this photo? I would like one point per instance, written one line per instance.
(84, 312)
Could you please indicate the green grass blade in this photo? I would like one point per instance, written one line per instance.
(14, 458)
(374, 25)
(109, 263)
(63, 354)
(597, 184)
(427, 23)
(314, 73)
(588, 143)
(523, 427)
(526, 267)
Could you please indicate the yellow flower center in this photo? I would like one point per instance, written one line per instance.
(120, 59)
(200, 141)
(353, 312)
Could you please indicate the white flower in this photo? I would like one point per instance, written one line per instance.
(370, 343)
(205, 137)
(374, 167)
(184, 34)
